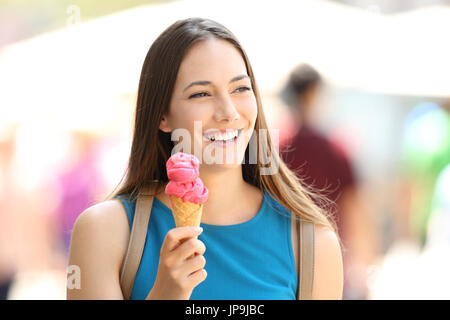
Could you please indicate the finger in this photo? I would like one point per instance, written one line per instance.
(194, 264)
(196, 277)
(175, 235)
(188, 249)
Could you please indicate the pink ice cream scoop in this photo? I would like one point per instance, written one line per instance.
(183, 171)
(182, 167)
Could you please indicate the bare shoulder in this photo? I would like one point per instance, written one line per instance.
(98, 245)
(104, 224)
(328, 266)
(326, 238)
(108, 215)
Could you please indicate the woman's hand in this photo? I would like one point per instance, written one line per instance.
(181, 265)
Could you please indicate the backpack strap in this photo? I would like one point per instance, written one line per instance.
(136, 243)
(305, 231)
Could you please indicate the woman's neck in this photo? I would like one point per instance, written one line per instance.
(225, 189)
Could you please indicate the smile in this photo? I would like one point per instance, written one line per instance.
(222, 138)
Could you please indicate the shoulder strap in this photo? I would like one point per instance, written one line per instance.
(136, 243)
(306, 259)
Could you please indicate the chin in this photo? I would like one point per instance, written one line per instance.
(227, 161)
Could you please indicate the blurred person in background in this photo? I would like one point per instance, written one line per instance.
(79, 182)
(425, 153)
(397, 277)
(7, 268)
(326, 167)
(30, 264)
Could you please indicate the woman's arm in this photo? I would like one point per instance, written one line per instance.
(328, 266)
(99, 242)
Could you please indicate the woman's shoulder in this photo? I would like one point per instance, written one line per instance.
(326, 240)
(98, 244)
(109, 213)
(328, 265)
(104, 224)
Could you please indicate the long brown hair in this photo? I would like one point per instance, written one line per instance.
(152, 147)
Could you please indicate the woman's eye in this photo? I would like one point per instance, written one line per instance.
(204, 94)
(242, 89)
(200, 94)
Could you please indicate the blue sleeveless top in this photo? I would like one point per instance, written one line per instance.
(252, 260)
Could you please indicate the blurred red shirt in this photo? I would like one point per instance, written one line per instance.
(321, 164)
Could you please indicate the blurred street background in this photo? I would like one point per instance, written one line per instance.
(69, 73)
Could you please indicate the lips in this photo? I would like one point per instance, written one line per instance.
(225, 143)
(223, 134)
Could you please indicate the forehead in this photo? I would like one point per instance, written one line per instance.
(211, 59)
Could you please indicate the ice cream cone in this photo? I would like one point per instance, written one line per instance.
(185, 189)
(186, 213)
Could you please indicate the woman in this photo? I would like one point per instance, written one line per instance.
(197, 71)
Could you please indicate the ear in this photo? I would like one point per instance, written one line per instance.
(164, 125)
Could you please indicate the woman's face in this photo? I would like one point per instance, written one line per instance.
(213, 87)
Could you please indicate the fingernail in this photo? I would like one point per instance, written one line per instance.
(199, 229)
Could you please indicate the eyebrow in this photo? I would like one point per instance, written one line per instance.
(204, 83)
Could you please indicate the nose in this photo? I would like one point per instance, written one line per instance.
(225, 111)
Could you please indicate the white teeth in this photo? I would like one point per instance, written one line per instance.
(219, 136)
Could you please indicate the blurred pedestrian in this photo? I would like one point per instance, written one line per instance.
(7, 263)
(79, 182)
(425, 153)
(325, 167)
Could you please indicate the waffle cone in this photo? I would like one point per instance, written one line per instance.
(186, 213)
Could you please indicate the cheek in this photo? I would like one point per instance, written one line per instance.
(183, 116)
(250, 111)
